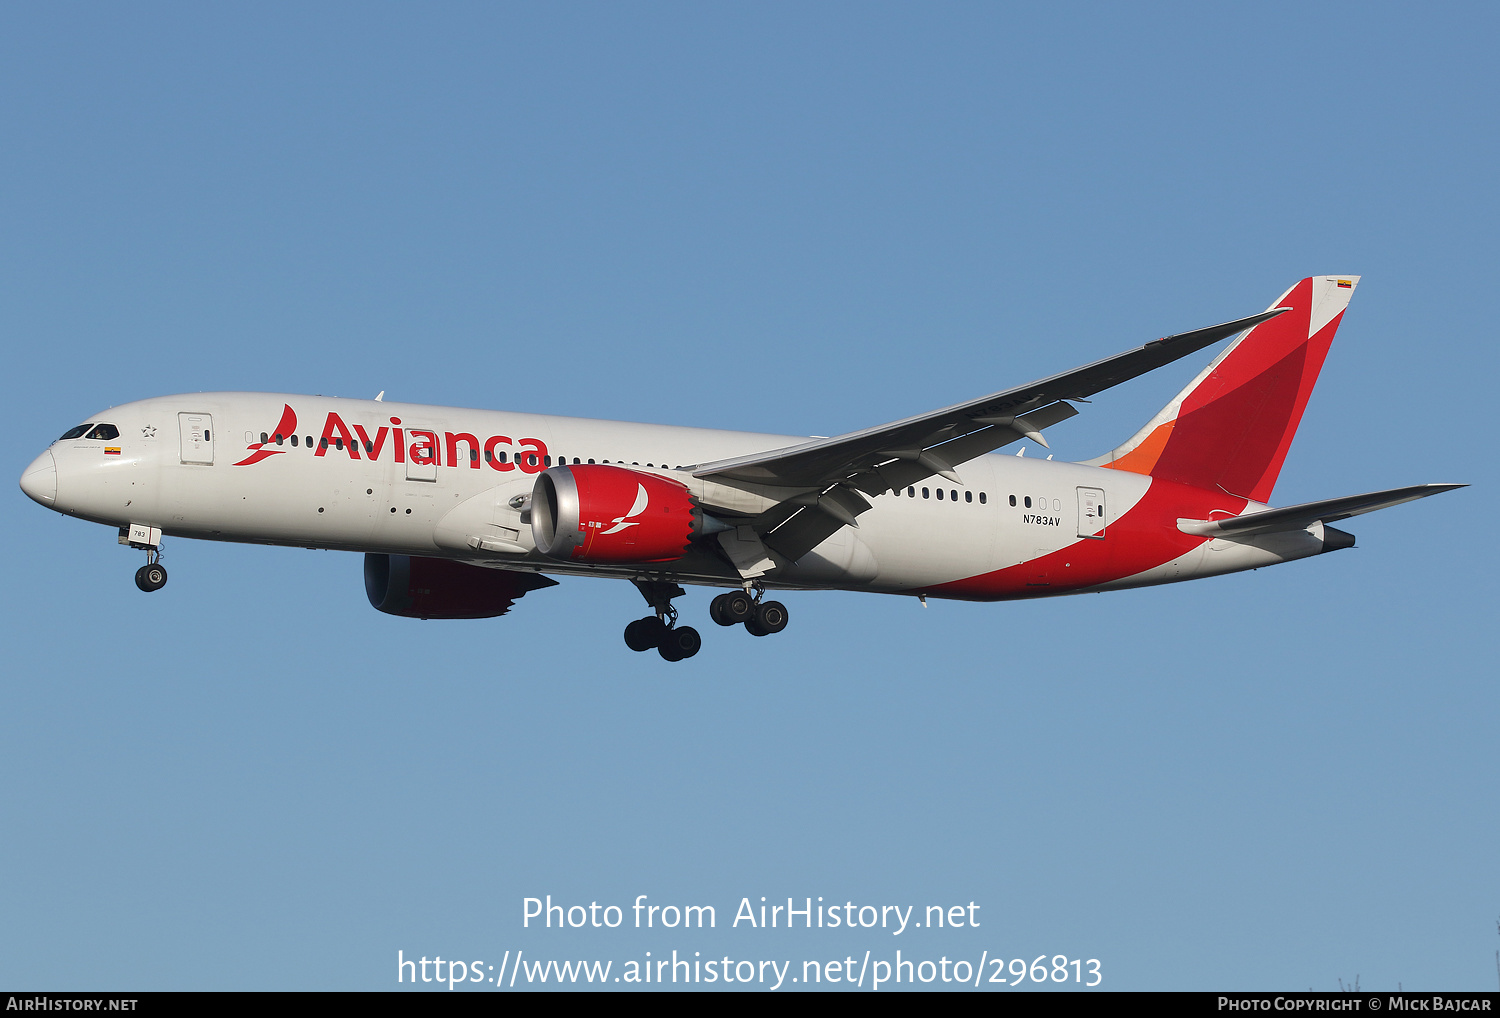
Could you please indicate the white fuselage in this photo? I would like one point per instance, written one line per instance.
(232, 485)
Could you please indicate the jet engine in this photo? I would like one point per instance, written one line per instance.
(435, 588)
(605, 513)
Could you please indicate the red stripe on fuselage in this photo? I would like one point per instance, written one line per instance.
(1143, 538)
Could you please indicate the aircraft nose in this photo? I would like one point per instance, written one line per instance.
(39, 481)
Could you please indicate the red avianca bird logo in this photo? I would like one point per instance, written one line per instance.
(286, 426)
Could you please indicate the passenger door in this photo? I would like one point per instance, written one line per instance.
(1091, 513)
(196, 437)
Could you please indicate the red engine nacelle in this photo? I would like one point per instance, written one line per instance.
(435, 588)
(603, 513)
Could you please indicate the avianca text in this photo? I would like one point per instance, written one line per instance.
(424, 447)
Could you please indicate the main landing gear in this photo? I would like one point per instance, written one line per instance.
(760, 618)
(676, 643)
(672, 642)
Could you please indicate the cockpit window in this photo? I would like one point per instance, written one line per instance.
(104, 433)
(72, 433)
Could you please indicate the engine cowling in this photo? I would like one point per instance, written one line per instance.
(435, 588)
(604, 513)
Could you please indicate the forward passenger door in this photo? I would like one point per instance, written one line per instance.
(196, 437)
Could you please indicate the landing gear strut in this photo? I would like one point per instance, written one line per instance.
(152, 575)
(738, 607)
(672, 642)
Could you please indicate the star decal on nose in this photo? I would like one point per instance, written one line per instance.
(148, 431)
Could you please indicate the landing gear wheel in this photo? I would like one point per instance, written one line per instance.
(738, 607)
(151, 577)
(732, 608)
(643, 634)
(770, 617)
(679, 643)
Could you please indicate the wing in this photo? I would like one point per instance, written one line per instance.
(1002, 417)
(830, 474)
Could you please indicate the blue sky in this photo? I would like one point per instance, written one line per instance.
(794, 218)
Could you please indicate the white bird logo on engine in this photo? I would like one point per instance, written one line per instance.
(635, 510)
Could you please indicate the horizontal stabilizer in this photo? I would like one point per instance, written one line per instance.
(1300, 517)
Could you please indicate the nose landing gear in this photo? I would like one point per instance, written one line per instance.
(152, 575)
(672, 642)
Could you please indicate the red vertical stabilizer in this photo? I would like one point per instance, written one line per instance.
(1231, 428)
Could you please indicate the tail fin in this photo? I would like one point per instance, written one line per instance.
(1231, 428)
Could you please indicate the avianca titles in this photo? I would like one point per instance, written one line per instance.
(461, 512)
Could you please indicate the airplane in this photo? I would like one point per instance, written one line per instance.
(459, 513)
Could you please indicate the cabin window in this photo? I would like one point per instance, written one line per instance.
(591, 459)
(338, 443)
(264, 438)
(940, 494)
(294, 441)
(473, 453)
(981, 498)
(924, 493)
(322, 443)
(1013, 500)
(279, 439)
(1028, 501)
(968, 496)
(911, 492)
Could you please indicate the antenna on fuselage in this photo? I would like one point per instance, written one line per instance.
(381, 396)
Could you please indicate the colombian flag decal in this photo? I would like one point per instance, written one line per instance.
(111, 450)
